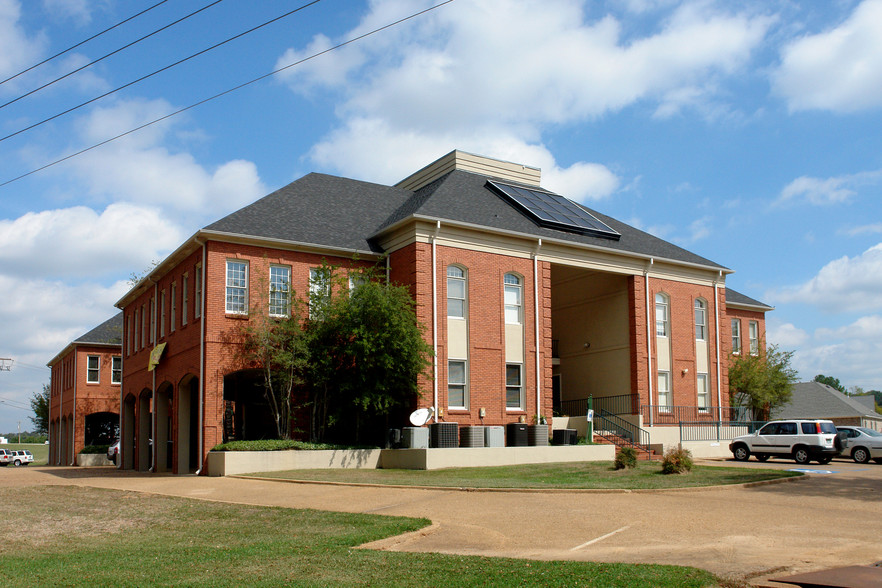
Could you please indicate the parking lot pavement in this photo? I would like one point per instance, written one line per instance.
(821, 521)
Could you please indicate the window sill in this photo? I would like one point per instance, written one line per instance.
(236, 316)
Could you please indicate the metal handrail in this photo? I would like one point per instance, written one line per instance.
(717, 430)
(621, 404)
(659, 414)
(625, 429)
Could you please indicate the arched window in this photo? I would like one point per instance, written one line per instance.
(700, 319)
(456, 292)
(662, 314)
(513, 299)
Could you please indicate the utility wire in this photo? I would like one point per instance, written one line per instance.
(158, 71)
(114, 52)
(225, 92)
(71, 48)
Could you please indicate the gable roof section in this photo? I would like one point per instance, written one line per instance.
(464, 197)
(318, 209)
(739, 300)
(816, 400)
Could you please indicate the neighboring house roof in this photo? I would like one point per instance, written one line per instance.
(739, 300)
(108, 333)
(816, 400)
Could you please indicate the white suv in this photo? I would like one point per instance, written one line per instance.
(5, 457)
(21, 458)
(801, 440)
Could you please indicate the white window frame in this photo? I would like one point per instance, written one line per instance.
(457, 277)
(700, 319)
(96, 369)
(174, 307)
(129, 335)
(753, 332)
(702, 392)
(319, 287)
(143, 331)
(236, 291)
(511, 387)
(152, 333)
(136, 331)
(356, 280)
(663, 324)
(664, 391)
(116, 369)
(197, 310)
(736, 336)
(279, 290)
(513, 285)
(162, 314)
(185, 280)
(464, 384)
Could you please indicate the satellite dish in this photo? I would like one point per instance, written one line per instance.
(421, 416)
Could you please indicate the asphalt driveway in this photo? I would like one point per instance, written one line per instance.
(821, 521)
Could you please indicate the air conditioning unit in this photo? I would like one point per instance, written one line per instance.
(494, 437)
(564, 437)
(415, 438)
(444, 435)
(471, 437)
(516, 435)
(537, 435)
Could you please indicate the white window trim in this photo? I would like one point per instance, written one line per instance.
(519, 305)
(704, 325)
(666, 323)
(521, 396)
(97, 369)
(753, 334)
(736, 336)
(464, 384)
(114, 370)
(664, 406)
(174, 307)
(698, 394)
(162, 314)
(287, 292)
(143, 333)
(316, 289)
(197, 287)
(129, 335)
(227, 286)
(465, 292)
(185, 279)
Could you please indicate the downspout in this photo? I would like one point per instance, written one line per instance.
(719, 369)
(153, 412)
(649, 322)
(200, 430)
(435, 323)
(536, 320)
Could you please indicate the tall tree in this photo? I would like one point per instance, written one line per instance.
(830, 381)
(40, 406)
(761, 382)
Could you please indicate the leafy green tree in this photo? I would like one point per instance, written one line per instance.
(830, 381)
(40, 406)
(761, 382)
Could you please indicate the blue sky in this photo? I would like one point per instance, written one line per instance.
(746, 132)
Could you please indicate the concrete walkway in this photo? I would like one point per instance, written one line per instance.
(822, 521)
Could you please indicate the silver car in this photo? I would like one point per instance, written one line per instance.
(861, 443)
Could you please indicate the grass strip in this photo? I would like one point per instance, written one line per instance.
(579, 475)
(75, 536)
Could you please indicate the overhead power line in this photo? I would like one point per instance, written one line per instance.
(83, 42)
(114, 52)
(225, 92)
(150, 75)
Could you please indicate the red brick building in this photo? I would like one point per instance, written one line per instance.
(84, 392)
(531, 302)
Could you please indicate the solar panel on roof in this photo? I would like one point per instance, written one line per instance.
(554, 211)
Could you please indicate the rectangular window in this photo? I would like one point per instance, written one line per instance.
(513, 299)
(174, 306)
(143, 330)
(661, 316)
(237, 287)
(129, 335)
(753, 327)
(280, 290)
(152, 307)
(319, 290)
(456, 292)
(355, 281)
(664, 391)
(197, 303)
(184, 298)
(92, 371)
(162, 314)
(513, 385)
(116, 370)
(736, 336)
(457, 384)
(700, 320)
(703, 395)
(136, 329)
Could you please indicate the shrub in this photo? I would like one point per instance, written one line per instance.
(626, 458)
(94, 449)
(677, 461)
(278, 445)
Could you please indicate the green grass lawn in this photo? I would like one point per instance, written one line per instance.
(596, 475)
(74, 536)
(40, 451)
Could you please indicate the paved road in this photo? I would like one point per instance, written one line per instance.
(822, 521)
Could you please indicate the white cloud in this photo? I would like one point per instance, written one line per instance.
(76, 10)
(463, 77)
(81, 242)
(839, 69)
(141, 168)
(863, 230)
(844, 284)
(850, 353)
(17, 50)
(786, 335)
(826, 191)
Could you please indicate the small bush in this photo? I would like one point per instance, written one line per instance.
(626, 458)
(94, 449)
(278, 445)
(677, 461)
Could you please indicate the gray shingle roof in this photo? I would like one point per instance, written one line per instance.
(733, 297)
(338, 212)
(107, 333)
(815, 400)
